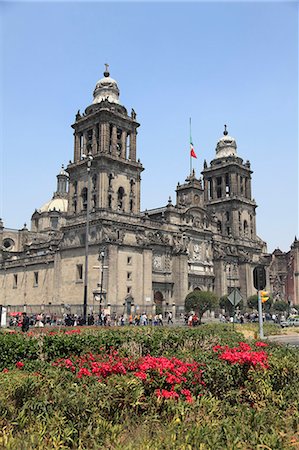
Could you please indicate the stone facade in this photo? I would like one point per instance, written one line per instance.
(205, 240)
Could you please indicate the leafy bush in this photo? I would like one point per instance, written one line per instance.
(200, 302)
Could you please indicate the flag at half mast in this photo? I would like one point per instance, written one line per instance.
(192, 151)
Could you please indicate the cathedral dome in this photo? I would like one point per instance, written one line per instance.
(106, 89)
(56, 204)
(226, 146)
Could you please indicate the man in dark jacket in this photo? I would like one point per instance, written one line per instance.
(25, 322)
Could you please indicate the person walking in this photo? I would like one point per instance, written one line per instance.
(25, 323)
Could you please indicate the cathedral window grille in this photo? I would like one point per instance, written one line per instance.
(219, 226)
(35, 283)
(79, 272)
(84, 198)
(15, 281)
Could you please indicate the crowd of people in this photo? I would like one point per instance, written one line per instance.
(41, 320)
(103, 319)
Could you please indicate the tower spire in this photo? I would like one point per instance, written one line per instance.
(225, 132)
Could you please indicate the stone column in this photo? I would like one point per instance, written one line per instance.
(234, 184)
(123, 144)
(223, 191)
(132, 156)
(114, 140)
(94, 140)
(76, 147)
(206, 190)
(214, 184)
(248, 192)
(104, 133)
(180, 279)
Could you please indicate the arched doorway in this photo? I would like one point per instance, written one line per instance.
(158, 300)
(128, 305)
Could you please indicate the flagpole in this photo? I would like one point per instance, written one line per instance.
(190, 148)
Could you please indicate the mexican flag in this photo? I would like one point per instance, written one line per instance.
(192, 152)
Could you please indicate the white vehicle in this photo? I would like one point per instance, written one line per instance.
(290, 322)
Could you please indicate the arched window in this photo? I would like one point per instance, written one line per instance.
(120, 198)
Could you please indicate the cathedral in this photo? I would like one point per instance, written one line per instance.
(92, 247)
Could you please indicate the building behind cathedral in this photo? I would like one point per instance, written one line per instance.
(138, 260)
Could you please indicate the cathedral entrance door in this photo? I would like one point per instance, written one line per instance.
(128, 306)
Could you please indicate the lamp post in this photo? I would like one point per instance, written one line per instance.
(89, 159)
(102, 258)
(99, 292)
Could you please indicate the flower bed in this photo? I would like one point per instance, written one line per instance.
(132, 388)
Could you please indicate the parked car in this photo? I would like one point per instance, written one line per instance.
(290, 322)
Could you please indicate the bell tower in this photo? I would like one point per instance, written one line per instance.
(227, 186)
(107, 134)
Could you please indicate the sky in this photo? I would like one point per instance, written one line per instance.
(233, 63)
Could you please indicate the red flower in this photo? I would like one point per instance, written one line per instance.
(141, 375)
(20, 364)
(83, 372)
(5, 370)
(261, 344)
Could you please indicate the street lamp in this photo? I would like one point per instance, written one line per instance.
(89, 159)
(99, 292)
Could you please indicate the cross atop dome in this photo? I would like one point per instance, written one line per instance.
(106, 89)
(226, 146)
(106, 73)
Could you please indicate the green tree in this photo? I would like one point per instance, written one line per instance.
(200, 302)
(280, 306)
(252, 302)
